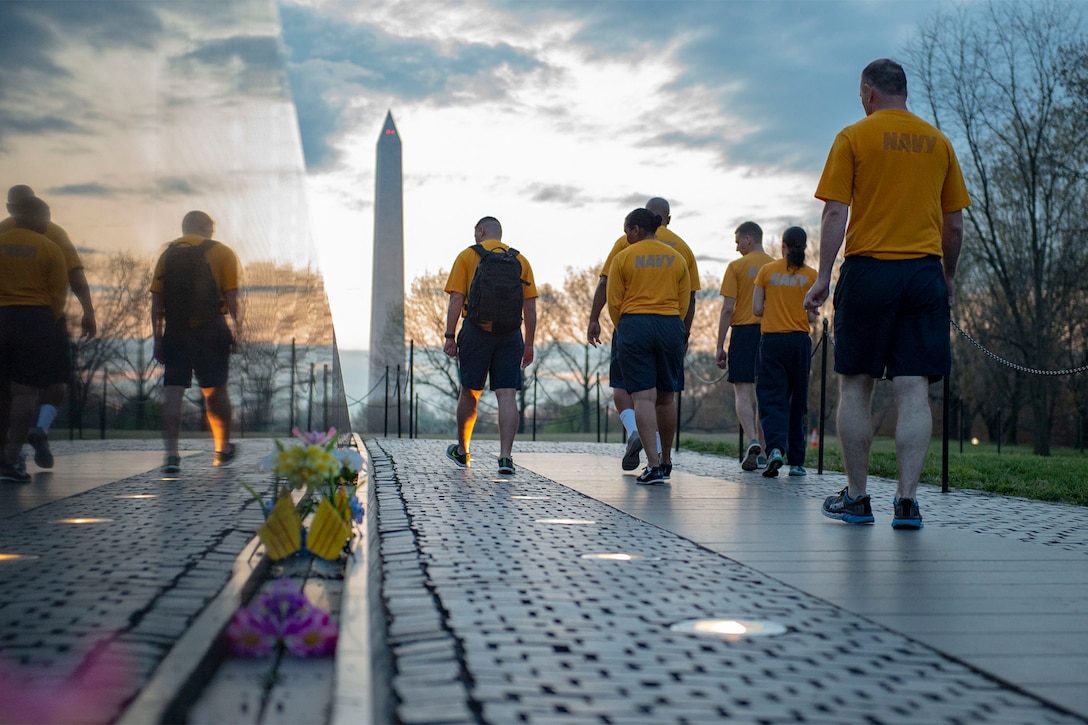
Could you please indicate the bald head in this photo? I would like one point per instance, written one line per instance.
(489, 228)
(19, 192)
(30, 213)
(660, 207)
(197, 222)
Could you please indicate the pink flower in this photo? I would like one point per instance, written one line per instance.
(312, 636)
(314, 437)
(282, 604)
(251, 634)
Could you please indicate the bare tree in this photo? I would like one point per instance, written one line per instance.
(995, 78)
(577, 365)
(120, 287)
(424, 323)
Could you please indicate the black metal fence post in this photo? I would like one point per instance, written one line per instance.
(399, 414)
(945, 416)
(411, 388)
(823, 400)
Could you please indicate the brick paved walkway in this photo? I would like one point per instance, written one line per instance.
(495, 616)
(482, 610)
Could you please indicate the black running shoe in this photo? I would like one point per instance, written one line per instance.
(907, 515)
(506, 465)
(775, 462)
(13, 474)
(851, 510)
(666, 470)
(651, 476)
(751, 458)
(224, 458)
(39, 441)
(464, 460)
(630, 457)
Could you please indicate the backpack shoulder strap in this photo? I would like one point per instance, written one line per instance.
(480, 250)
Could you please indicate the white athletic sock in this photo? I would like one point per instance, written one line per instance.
(627, 417)
(659, 444)
(46, 415)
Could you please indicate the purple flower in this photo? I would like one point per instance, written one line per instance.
(251, 634)
(311, 636)
(314, 437)
(281, 604)
(356, 509)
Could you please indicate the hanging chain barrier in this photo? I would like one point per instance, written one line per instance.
(1018, 368)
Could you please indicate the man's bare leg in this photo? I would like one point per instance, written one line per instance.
(913, 428)
(855, 429)
(171, 417)
(24, 400)
(665, 410)
(508, 420)
(219, 411)
(467, 407)
(646, 417)
(745, 394)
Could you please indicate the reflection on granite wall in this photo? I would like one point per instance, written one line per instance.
(124, 116)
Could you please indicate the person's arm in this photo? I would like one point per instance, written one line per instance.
(77, 280)
(600, 296)
(528, 312)
(832, 232)
(726, 319)
(757, 301)
(234, 308)
(951, 242)
(689, 317)
(158, 324)
(453, 312)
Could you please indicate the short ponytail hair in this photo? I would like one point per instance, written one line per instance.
(644, 219)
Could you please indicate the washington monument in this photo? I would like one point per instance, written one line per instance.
(387, 281)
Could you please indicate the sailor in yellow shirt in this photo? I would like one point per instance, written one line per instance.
(738, 284)
(485, 354)
(59, 364)
(33, 286)
(897, 179)
(648, 296)
(622, 399)
(188, 346)
(784, 352)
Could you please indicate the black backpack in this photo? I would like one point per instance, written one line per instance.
(190, 294)
(497, 290)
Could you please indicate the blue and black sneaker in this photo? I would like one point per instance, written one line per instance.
(464, 460)
(774, 462)
(907, 515)
(850, 510)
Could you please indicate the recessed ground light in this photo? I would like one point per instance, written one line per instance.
(137, 495)
(529, 498)
(83, 521)
(614, 557)
(729, 629)
(566, 522)
(16, 557)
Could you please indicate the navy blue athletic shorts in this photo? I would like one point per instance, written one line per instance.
(59, 364)
(651, 352)
(27, 344)
(891, 318)
(201, 351)
(483, 356)
(743, 352)
(615, 374)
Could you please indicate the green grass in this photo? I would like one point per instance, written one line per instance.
(1014, 472)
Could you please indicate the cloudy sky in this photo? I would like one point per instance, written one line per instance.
(557, 117)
